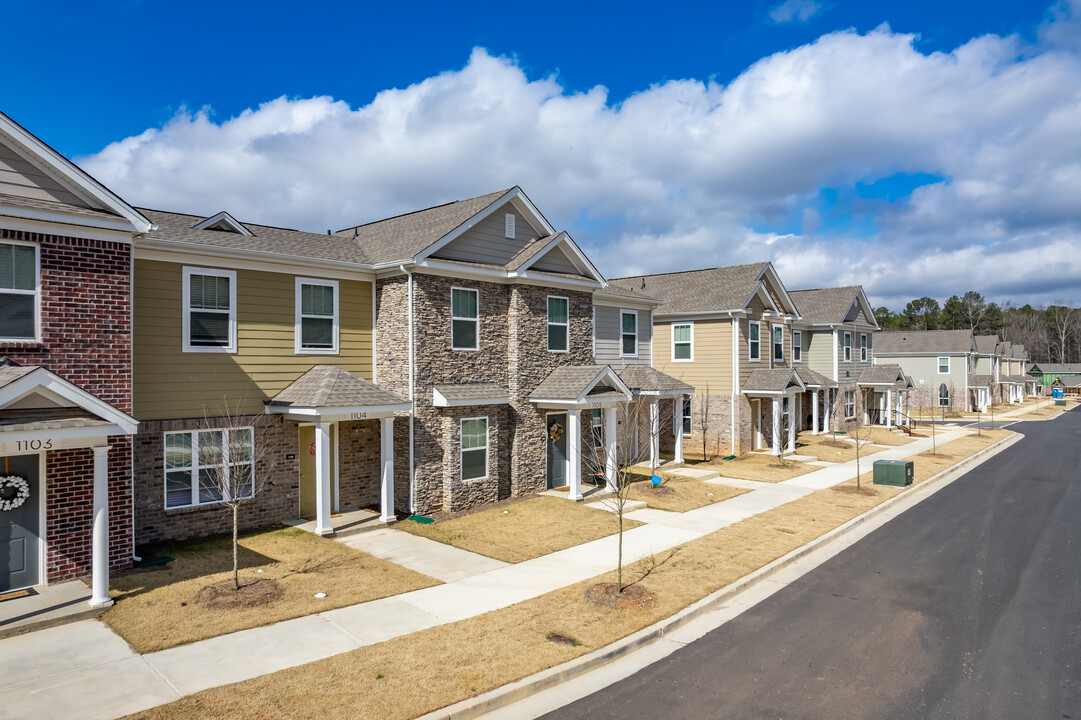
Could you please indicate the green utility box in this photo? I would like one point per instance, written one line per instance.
(1060, 402)
(898, 473)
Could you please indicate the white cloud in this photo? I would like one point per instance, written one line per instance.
(678, 174)
(794, 11)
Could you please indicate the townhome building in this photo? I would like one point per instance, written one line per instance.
(65, 370)
(727, 332)
(988, 371)
(941, 365)
(1017, 383)
(1045, 374)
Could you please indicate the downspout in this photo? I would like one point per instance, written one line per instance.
(131, 379)
(412, 489)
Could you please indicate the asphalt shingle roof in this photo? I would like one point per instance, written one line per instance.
(568, 382)
(473, 393)
(825, 305)
(987, 344)
(980, 381)
(719, 289)
(769, 380)
(1070, 381)
(328, 386)
(55, 206)
(882, 375)
(645, 378)
(811, 378)
(626, 292)
(917, 342)
(1055, 368)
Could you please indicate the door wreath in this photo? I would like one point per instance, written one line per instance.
(14, 491)
(555, 432)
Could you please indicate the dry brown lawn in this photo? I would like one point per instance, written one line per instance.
(524, 530)
(882, 436)
(159, 609)
(821, 447)
(680, 494)
(760, 467)
(419, 673)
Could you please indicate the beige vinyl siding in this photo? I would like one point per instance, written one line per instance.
(983, 366)
(555, 260)
(607, 337)
(23, 179)
(170, 383)
(712, 366)
(819, 353)
(486, 242)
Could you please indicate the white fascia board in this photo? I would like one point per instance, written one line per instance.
(760, 289)
(547, 404)
(149, 248)
(467, 225)
(449, 268)
(618, 301)
(524, 204)
(69, 174)
(119, 225)
(785, 297)
(606, 373)
(52, 385)
(701, 315)
(539, 277)
(584, 265)
(325, 412)
(861, 296)
(229, 220)
(64, 438)
(64, 225)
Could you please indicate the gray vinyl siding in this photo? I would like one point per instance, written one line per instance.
(24, 180)
(486, 243)
(925, 368)
(556, 261)
(857, 316)
(983, 366)
(818, 352)
(607, 337)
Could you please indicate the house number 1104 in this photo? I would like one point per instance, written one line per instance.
(21, 445)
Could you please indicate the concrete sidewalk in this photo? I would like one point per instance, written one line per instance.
(86, 660)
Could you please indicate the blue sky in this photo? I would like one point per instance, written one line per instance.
(800, 131)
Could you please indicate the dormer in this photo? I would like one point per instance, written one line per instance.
(223, 222)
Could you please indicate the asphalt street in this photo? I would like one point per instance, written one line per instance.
(966, 606)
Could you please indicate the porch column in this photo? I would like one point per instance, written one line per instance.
(814, 412)
(610, 468)
(831, 398)
(776, 426)
(386, 470)
(908, 411)
(792, 425)
(574, 453)
(866, 409)
(889, 407)
(322, 479)
(654, 433)
(99, 539)
(677, 427)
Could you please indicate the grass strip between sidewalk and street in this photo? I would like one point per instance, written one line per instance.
(415, 674)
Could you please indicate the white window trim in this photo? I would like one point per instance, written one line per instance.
(938, 363)
(750, 342)
(298, 317)
(487, 447)
(622, 333)
(797, 346)
(195, 466)
(463, 319)
(863, 347)
(846, 404)
(566, 325)
(773, 342)
(688, 414)
(597, 423)
(36, 292)
(690, 342)
(942, 387)
(847, 346)
(186, 309)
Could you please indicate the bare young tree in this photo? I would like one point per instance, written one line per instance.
(704, 419)
(860, 433)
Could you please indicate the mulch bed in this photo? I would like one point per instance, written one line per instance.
(632, 597)
(252, 593)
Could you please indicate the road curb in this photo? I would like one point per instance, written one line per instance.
(552, 677)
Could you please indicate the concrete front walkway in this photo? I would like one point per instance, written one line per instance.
(85, 665)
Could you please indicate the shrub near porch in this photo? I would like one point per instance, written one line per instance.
(160, 609)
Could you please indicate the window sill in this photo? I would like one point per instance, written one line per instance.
(316, 351)
(187, 509)
(211, 350)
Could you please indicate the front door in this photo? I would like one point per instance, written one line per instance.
(20, 528)
(557, 450)
(306, 451)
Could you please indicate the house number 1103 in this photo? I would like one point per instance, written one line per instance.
(21, 445)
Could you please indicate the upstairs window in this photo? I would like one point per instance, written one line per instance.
(18, 291)
(863, 347)
(203, 467)
(316, 316)
(848, 347)
(464, 318)
(628, 321)
(209, 310)
(754, 341)
(778, 343)
(558, 323)
(943, 366)
(474, 435)
(683, 342)
(797, 346)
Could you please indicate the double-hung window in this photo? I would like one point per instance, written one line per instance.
(558, 323)
(19, 299)
(464, 319)
(316, 316)
(474, 435)
(754, 341)
(863, 347)
(850, 404)
(686, 416)
(944, 366)
(943, 396)
(797, 346)
(628, 343)
(848, 347)
(778, 343)
(597, 421)
(209, 298)
(683, 342)
(207, 466)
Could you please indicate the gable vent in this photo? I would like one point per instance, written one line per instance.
(508, 225)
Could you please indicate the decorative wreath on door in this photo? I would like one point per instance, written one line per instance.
(555, 432)
(14, 491)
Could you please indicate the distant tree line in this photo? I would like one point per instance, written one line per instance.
(1050, 334)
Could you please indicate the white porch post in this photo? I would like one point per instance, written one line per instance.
(776, 426)
(677, 427)
(322, 478)
(654, 432)
(792, 425)
(610, 468)
(814, 412)
(99, 597)
(889, 407)
(386, 470)
(574, 453)
(866, 410)
(908, 410)
(831, 398)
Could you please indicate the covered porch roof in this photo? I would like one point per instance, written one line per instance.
(580, 386)
(814, 380)
(469, 394)
(774, 381)
(885, 377)
(645, 380)
(327, 392)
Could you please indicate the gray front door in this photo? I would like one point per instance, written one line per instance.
(557, 450)
(19, 528)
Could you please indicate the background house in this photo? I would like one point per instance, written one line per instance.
(939, 363)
